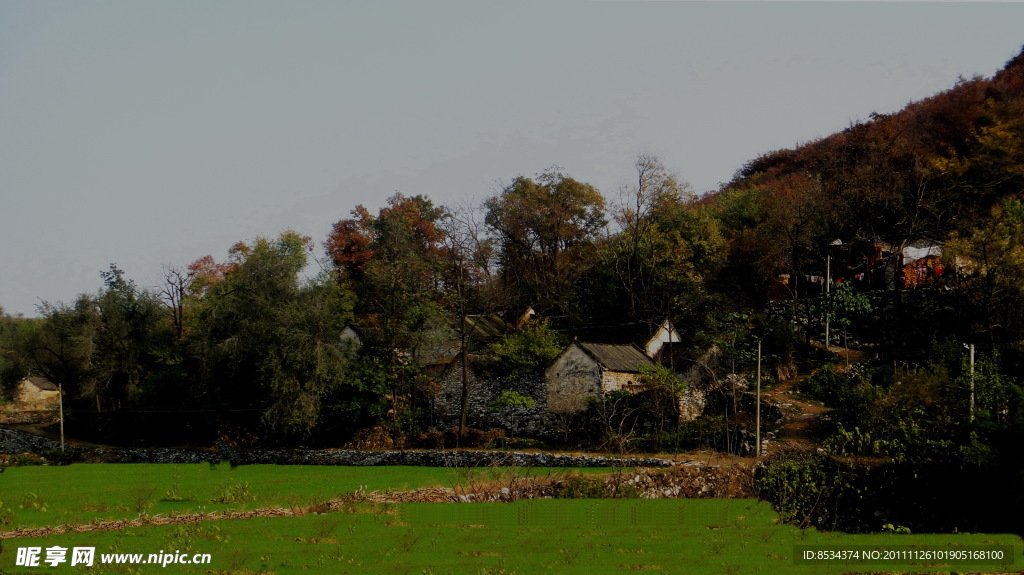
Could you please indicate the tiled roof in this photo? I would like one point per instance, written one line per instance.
(624, 358)
(637, 333)
(486, 326)
(42, 383)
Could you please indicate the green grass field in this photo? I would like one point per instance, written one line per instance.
(43, 495)
(539, 536)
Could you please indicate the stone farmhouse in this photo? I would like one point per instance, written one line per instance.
(36, 400)
(586, 370)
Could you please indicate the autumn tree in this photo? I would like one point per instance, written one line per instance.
(393, 262)
(544, 230)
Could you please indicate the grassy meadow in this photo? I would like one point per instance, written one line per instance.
(36, 496)
(737, 536)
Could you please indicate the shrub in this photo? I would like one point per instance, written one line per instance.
(580, 487)
(583, 487)
(377, 437)
(57, 456)
(23, 459)
(806, 489)
(849, 391)
(235, 492)
(6, 515)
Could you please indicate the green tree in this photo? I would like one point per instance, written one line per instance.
(989, 261)
(102, 348)
(844, 307)
(666, 249)
(272, 341)
(529, 351)
(15, 365)
(664, 390)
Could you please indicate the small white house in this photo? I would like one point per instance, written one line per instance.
(37, 390)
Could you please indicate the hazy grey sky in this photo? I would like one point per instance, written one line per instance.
(153, 133)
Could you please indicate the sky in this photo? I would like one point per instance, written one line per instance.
(149, 134)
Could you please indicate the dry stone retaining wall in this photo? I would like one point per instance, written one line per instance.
(18, 442)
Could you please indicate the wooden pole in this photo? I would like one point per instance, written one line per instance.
(828, 281)
(60, 397)
(757, 451)
(971, 418)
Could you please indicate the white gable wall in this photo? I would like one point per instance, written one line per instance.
(666, 334)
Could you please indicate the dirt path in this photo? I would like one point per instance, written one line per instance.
(802, 416)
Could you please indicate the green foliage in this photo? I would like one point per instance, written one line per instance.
(235, 492)
(511, 400)
(528, 351)
(16, 335)
(804, 488)
(272, 340)
(101, 348)
(850, 391)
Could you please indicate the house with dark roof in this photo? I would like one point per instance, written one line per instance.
(585, 370)
(36, 400)
(36, 390)
(654, 339)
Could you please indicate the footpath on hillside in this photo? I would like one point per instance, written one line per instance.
(801, 416)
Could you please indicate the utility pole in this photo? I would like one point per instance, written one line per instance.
(971, 418)
(60, 397)
(758, 408)
(828, 282)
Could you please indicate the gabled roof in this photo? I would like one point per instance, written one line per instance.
(42, 383)
(641, 334)
(479, 364)
(486, 327)
(623, 358)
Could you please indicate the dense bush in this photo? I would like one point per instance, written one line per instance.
(807, 489)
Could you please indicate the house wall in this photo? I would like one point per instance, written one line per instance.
(31, 405)
(572, 378)
(482, 392)
(612, 380)
(660, 338)
(28, 393)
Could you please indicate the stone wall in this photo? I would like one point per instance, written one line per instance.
(19, 442)
(482, 392)
(613, 380)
